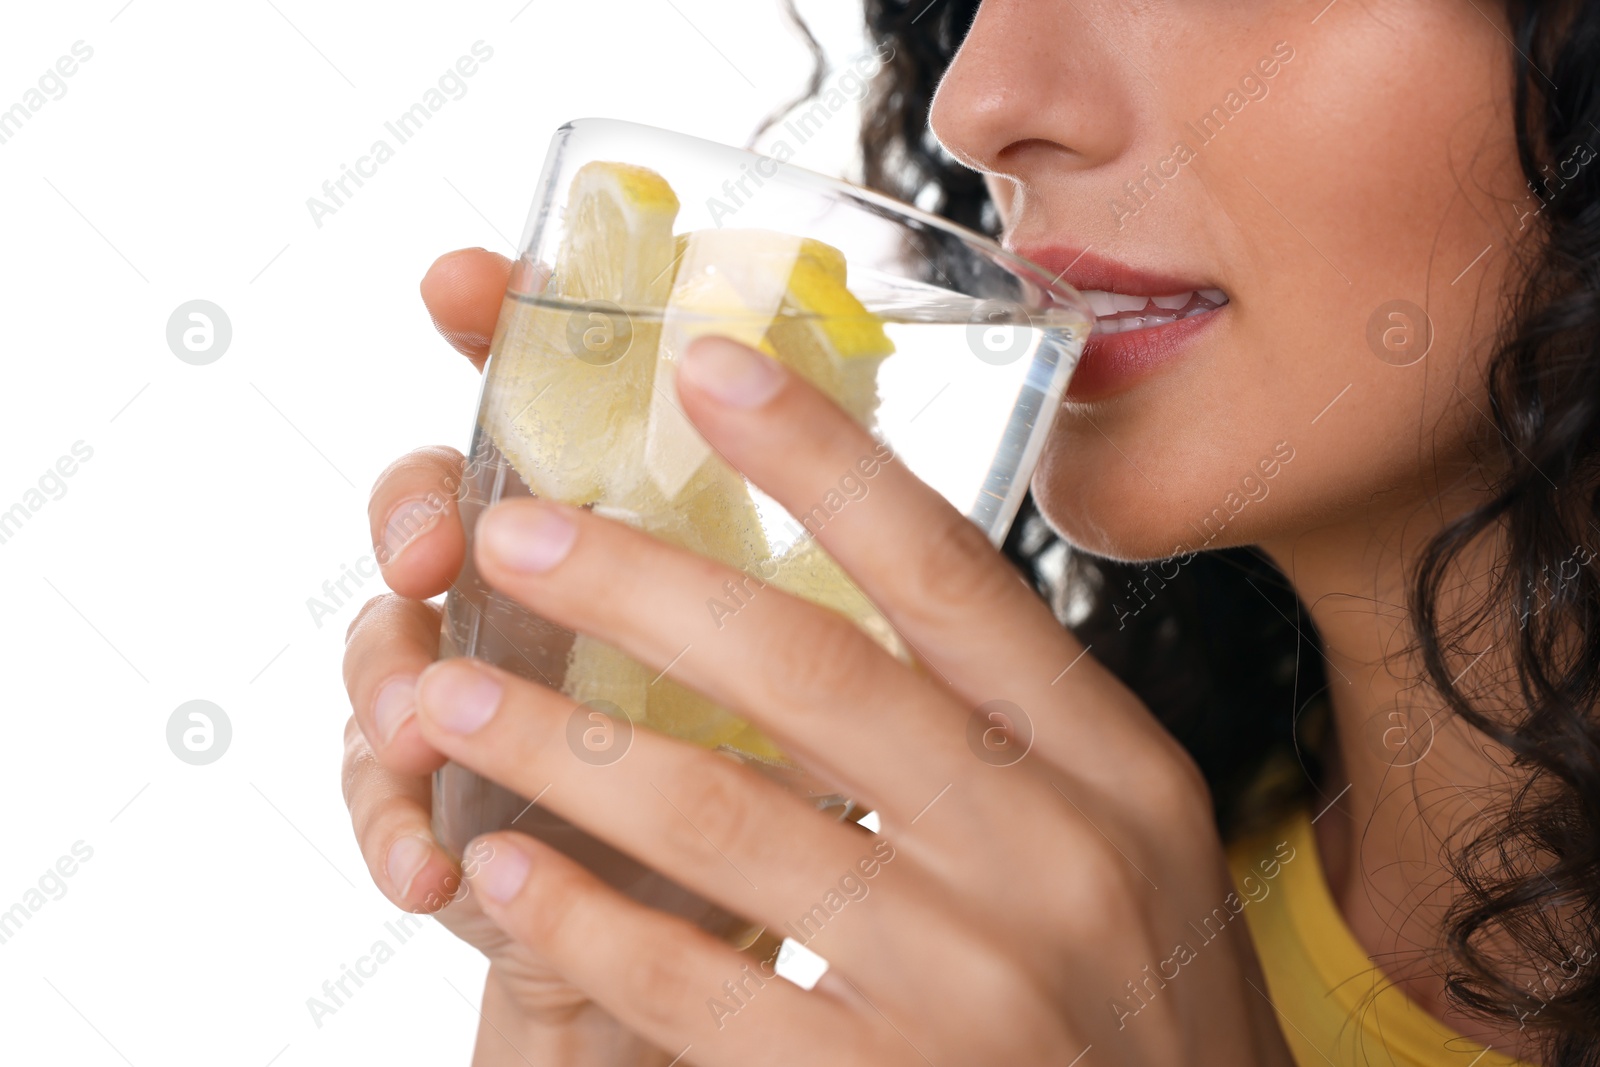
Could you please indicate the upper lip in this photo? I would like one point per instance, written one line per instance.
(1084, 270)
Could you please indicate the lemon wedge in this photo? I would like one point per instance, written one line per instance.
(569, 382)
(618, 242)
(778, 292)
(811, 574)
(598, 672)
(830, 339)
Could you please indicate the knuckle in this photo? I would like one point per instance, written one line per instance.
(1179, 797)
(390, 633)
(377, 814)
(1166, 799)
(661, 980)
(352, 737)
(995, 982)
(1005, 991)
(556, 912)
(1095, 884)
(1101, 891)
(717, 813)
(954, 568)
(361, 795)
(351, 776)
(816, 656)
(358, 761)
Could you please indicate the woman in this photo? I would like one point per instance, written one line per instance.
(1332, 659)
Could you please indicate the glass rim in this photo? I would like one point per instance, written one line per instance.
(1056, 293)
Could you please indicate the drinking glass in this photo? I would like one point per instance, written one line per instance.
(953, 352)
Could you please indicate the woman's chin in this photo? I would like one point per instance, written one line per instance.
(1108, 519)
(1111, 537)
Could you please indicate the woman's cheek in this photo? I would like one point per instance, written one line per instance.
(1374, 177)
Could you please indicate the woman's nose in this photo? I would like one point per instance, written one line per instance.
(1037, 83)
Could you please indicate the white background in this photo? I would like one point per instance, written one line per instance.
(179, 561)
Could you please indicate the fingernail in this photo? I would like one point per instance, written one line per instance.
(527, 536)
(502, 874)
(458, 696)
(736, 375)
(407, 521)
(407, 857)
(395, 703)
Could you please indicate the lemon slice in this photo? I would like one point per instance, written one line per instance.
(819, 321)
(618, 242)
(749, 741)
(776, 291)
(728, 282)
(807, 571)
(598, 672)
(682, 713)
(569, 384)
(713, 515)
(830, 339)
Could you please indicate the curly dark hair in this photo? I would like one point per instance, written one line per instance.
(1226, 655)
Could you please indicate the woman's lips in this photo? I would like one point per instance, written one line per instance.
(1112, 362)
(1143, 319)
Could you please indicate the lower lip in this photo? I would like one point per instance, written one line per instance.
(1115, 361)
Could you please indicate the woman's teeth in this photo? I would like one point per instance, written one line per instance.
(1118, 313)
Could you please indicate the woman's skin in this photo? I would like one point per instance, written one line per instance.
(1377, 166)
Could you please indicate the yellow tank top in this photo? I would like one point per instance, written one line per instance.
(1335, 1006)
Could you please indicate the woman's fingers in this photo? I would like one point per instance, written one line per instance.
(956, 601)
(826, 692)
(390, 642)
(416, 526)
(719, 829)
(390, 815)
(871, 728)
(680, 988)
(463, 291)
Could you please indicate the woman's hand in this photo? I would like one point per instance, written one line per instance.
(1007, 912)
(528, 1010)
